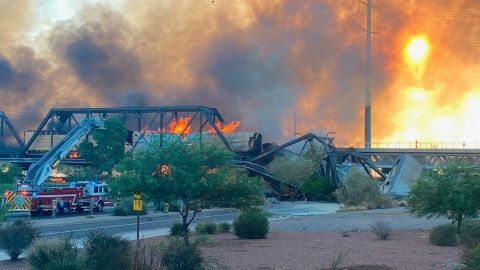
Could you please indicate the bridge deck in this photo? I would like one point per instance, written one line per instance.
(428, 158)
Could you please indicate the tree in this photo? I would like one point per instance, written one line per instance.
(316, 153)
(290, 170)
(452, 190)
(358, 189)
(199, 176)
(8, 172)
(109, 147)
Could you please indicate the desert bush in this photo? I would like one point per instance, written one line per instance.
(358, 189)
(470, 233)
(382, 229)
(443, 235)
(339, 258)
(178, 256)
(3, 212)
(56, 253)
(106, 251)
(16, 237)
(206, 228)
(148, 256)
(177, 229)
(224, 227)
(120, 211)
(318, 188)
(251, 224)
(471, 258)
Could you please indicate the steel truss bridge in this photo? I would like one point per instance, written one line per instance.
(429, 158)
(59, 121)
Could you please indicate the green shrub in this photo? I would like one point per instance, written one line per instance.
(178, 256)
(252, 224)
(206, 228)
(3, 212)
(64, 264)
(471, 258)
(106, 251)
(16, 237)
(56, 253)
(177, 229)
(470, 233)
(224, 227)
(443, 235)
(120, 211)
(318, 188)
(358, 189)
(382, 229)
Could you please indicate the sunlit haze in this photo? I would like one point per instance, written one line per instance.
(278, 67)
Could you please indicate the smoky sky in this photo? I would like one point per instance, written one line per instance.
(259, 62)
(255, 77)
(98, 51)
(6, 74)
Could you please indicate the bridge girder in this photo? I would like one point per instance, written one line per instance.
(8, 131)
(141, 119)
(385, 158)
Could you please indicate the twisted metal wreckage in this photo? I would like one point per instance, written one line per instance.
(167, 123)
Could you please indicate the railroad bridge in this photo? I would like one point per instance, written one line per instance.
(251, 154)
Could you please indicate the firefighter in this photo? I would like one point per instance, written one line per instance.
(167, 206)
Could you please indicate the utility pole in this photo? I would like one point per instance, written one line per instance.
(368, 78)
(295, 133)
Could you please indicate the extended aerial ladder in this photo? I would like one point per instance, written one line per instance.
(39, 171)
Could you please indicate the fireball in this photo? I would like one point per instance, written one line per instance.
(417, 50)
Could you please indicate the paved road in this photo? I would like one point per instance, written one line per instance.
(159, 223)
(399, 218)
(79, 227)
(284, 216)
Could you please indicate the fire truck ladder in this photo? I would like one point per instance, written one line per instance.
(39, 171)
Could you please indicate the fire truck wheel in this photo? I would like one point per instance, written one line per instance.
(66, 208)
(60, 209)
(79, 209)
(99, 207)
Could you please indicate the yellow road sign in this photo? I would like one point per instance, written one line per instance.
(137, 205)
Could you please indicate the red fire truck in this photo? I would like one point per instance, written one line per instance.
(32, 195)
(76, 197)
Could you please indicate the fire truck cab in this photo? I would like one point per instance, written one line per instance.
(96, 191)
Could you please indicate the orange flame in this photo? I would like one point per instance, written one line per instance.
(181, 126)
(227, 128)
(164, 170)
(57, 179)
(74, 154)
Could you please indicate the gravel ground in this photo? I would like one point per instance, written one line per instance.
(407, 250)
